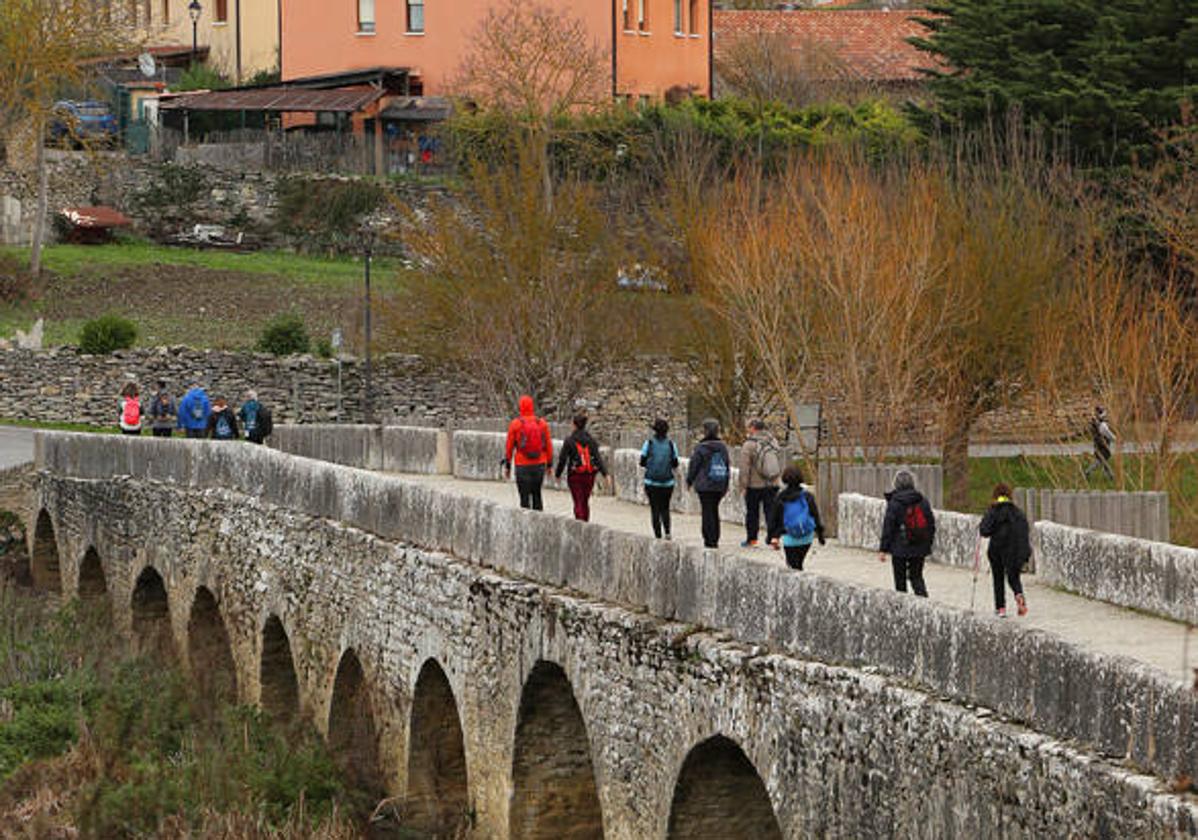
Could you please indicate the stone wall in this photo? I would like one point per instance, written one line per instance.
(1155, 577)
(621, 703)
(1118, 707)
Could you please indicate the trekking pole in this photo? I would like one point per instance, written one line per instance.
(977, 560)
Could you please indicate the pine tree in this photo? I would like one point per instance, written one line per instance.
(1106, 75)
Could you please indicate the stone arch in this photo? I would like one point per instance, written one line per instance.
(152, 616)
(553, 781)
(280, 688)
(209, 654)
(438, 791)
(353, 735)
(93, 584)
(44, 566)
(720, 794)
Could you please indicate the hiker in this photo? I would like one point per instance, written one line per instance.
(760, 468)
(907, 533)
(793, 522)
(163, 413)
(580, 454)
(130, 410)
(255, 418)
(222, 422)
(531, 445)
(659, 458)
(1103, 437)
(709, 474)
(1010, 547)
(194, 410)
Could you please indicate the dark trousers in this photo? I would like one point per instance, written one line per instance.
(909, 568)
(581, 485)
(795, 555)
(160, 432)
(710, 504)
(131, 431)
(196, 433)
(997, 568)
(757, 500)
(528, 482)
(659, 508)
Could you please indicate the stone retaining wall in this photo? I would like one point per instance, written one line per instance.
(1117, 706)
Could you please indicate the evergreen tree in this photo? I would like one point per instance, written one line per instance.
(1106, 75)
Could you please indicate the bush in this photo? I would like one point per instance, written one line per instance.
(103, 335)
(16, 284)
(285, 335)
(322, 215)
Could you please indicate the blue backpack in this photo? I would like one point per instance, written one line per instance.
(251, 417)
(224, 430)
(797, 519)
(717, 468)
(659, 463)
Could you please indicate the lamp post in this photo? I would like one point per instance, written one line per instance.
(194, 8)
(367, 235)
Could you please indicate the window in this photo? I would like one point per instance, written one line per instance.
(365, 15)
(415, 15)
(694, 17)
(628, 15)
(642, 15)
(221, 15)
(678, 28)
(166, 11)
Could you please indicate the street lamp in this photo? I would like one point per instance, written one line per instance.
(194, 8)
(366, 237)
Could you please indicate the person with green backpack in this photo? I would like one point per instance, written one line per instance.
(659, 459)
(760, 468)
(709, 474)
(794, 522)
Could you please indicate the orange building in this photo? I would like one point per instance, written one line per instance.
(653, 45)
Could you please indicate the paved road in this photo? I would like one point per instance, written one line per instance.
(1089, 624)
(16, 446)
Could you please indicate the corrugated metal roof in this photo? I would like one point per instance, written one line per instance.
(280, 99)
(95, 217)
(418, 108)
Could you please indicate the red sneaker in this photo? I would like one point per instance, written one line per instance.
(1001, 612)
(1022, 604)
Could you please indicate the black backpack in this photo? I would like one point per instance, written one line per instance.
(265, 422)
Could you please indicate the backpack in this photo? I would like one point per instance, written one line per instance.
(717, 468)
(531, 440)
(251, 419)
(223, 429)
(915, 525)
(585, 465)
(659, 461)
(1021, 538)
(197, 408)
(131, 413)
(768, 460)
(265, 422)
(797, 519)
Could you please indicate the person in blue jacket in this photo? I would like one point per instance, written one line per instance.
(194, 411)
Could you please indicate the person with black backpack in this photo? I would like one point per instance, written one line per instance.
(530, 445)
(908, 529)
(1010, 547)
(256, 420)
(760, 468)
(794, 522)
(709, 475)
(222, 422)
(659, 458)
(580, 454)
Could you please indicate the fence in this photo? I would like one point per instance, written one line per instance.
(1132, 514)
(836, 477)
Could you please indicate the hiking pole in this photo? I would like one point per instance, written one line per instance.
(977, 560)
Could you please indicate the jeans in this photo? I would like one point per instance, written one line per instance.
(134, 432)
(710, 503)
(581, 485)
(757, 499)
(909, 568)
(528, 482)
(160, 431)
(659, 508)
(795, 555)
(997, 568)
(196, 433)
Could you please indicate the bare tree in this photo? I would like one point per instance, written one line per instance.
(42, 45)
(768, 67)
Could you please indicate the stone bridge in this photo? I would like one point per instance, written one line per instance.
(526, 676)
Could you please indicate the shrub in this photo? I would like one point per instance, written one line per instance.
(103, 335)
(285, 335)
(16, 284)
(323, 214)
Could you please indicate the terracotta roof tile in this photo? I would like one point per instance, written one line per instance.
(871, 44)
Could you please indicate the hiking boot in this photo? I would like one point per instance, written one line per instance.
(1001, 612)
(749, 544)
(668, 537)
(1022, 604)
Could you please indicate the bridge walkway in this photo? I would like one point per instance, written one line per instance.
(1089, 624)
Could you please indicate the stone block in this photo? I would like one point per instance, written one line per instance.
(412, 449)
(698, 582)
(478, 455)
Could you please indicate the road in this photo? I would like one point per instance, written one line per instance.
(1089, 624)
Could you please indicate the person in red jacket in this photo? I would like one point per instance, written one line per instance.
(531, 445)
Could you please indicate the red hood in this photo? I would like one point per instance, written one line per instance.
(526, 406)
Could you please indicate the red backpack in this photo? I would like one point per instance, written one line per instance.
(915, 524)
(585, 465)
(131, 413)
(531, 441)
